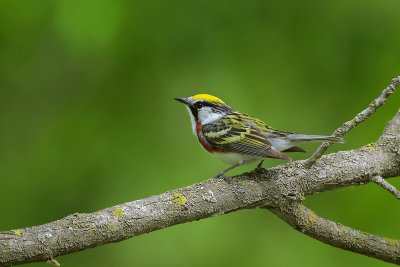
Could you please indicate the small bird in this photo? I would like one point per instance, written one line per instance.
(237, 138)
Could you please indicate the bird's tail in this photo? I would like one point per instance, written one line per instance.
(300, 138)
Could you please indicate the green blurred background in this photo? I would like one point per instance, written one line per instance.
(88, 120)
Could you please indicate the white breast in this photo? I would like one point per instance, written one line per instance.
(234, 158)
(192, 119)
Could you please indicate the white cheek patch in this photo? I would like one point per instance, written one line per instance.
(206, 115)
(192, 120)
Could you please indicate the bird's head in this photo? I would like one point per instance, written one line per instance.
(204, 108)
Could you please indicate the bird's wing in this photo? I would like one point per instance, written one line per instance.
(232, 133)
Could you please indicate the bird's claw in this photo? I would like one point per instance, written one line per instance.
(221, 176)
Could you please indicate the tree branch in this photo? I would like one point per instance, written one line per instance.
(385, 185)
(306, 221)
(280, 189)
(362, 116)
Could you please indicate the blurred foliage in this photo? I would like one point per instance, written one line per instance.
(88, 120)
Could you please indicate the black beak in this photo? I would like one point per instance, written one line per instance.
(182, 99)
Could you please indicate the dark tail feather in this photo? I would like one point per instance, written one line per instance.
(276, 154)
(295, 149)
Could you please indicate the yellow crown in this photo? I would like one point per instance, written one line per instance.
(209, 98)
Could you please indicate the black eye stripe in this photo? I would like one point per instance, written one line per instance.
(215, 107)
(195, 112)
(201, 104)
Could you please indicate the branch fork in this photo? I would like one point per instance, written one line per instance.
(386, 185)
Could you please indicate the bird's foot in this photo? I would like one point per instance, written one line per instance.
(221, 175)
(259, 166)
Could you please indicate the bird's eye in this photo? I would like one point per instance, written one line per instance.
(199, 105)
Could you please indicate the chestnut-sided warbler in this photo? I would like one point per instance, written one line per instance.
(237, 138)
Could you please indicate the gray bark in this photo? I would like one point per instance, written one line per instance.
(280, 190)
